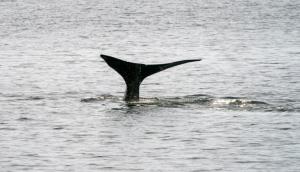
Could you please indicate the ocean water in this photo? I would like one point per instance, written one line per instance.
(238, 109)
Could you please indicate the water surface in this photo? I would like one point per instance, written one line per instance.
(236, 110)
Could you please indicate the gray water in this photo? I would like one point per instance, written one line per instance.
(236, 110)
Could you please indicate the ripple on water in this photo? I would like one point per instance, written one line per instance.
(58, 128)
(201, 100)
(251, 51)
(284, 128)
(24, 119)
(23, 97)
(8, 129)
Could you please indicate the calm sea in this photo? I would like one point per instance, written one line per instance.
(61, 106)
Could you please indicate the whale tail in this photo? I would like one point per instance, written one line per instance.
(134, 73)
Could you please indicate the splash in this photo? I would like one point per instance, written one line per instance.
(197, 100)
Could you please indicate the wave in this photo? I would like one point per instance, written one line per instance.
(198, 100)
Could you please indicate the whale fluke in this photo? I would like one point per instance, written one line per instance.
(134, 73)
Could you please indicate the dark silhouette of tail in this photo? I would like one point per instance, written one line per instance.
(135, 73)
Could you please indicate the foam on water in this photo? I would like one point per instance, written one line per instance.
(203, 101)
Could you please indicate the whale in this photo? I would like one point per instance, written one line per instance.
(134, 73)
